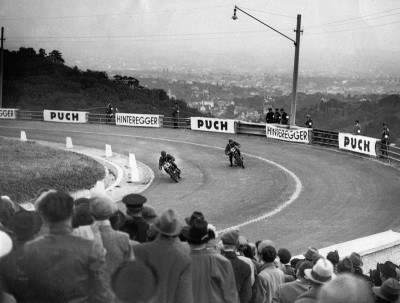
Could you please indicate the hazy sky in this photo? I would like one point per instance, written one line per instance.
(203, 30)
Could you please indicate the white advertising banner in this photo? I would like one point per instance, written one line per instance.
(65, 116)
(138, 120)
(8, 113)
(213, 125)
(300, 135)
(358, 144)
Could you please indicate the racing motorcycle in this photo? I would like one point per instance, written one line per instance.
(236, 158)
(173, 173)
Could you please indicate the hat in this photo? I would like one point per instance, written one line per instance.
(198, 232)
(309, 253)
(134, 201)
(148, 212)
(231, 237)
(356, 259)
(345, 265)
(264, 244)
(195, 215)
(284, 255)
(168, 224)
(25, 224)
(124, 282)
(333, 256)
(389, 290)
(321, 273)
(242, 240)
(5, 244)
(388, 269)
(82, 215)
(102, 207)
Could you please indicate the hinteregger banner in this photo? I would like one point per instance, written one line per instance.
(213, 125)
(65, 116)
(358, 144)
(8, 113)
(294, 135)
(138, 120)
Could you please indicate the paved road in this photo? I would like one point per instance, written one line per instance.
(341, 196)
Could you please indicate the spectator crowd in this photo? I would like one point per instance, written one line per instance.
(90, 250)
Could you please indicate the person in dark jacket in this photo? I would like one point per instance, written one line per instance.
(269, 118)
(284, 117)
(134, 224)
(277, 116)
(309, 122)
(167, 158)
(228, 147)
(175, 114)
(109, 112)
(385, 140)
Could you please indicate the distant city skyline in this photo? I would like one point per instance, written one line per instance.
(359, 35)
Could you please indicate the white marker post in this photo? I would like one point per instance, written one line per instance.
(23, 136)
(108, 151)
(133, 165)
(99, 188)
(69, 143)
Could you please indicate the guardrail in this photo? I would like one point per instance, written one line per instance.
(318, 136)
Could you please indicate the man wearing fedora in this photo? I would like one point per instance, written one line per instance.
(169, 259)
(357, 265)
(320, 274)
(213, 277)
(388, 292)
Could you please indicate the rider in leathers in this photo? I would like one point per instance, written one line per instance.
(167, 158)
(231, 144)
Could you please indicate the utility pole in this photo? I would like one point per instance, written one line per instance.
(295, 73)
(1, 68)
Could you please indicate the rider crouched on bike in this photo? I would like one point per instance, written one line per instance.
(231, 144)
(167, 158)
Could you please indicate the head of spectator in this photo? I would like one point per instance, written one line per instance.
(55, 206)
(117, 220)
(345, 266)
(248, 252)
(168, 224)
(198, 233)
(388, 292)
(6, 244)
(268, 254)
(387, 270)
(149, 214)
(101, 207)
(346, 288)
(81, 215)
(294, 261)
(7, 210)
(282, 110)
(25, 225)
(284, 255)
(126, 286)
(301, 267)
(356, 259)
(134, 204)
(321, 273)
(309, 253)
(333, 256)
(230, 239)
(195, 215)
(241, 244)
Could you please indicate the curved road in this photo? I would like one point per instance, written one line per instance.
(331, 196)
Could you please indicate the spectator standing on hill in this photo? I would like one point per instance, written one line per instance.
(269, 118)
(385, 140)
(320, 274)
(356, 128)
(309, 122)
(242, 271)
(213, 277)
(228, 147)
(357, 264)
(284, 117)
(134, 223)
(61, 267)
(277, 116)
(288, 292)
(170, 260)
(284, 258)
(175, 114)
(269, 277)
(109, 112)
(333, 256)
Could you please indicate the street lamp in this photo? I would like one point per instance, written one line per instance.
(296, 59)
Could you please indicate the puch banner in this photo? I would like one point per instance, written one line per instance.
(65, 116)
(138, 120)
(8, 113)
(358, 144)
(286, 134)
(213, 125)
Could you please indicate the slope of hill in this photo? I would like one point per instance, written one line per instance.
(36, 81)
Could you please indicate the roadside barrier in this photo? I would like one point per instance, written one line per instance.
(358, 144)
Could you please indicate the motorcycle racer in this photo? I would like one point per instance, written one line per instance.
(167, 158)
(231, 144)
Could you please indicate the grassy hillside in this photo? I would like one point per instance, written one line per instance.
(37, 81)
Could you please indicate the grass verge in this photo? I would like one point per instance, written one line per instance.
(27, 167)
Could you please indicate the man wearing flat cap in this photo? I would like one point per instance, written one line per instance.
(169, 259)
(135, 225)
(242, 270)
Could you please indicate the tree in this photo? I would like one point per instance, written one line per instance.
(56, 57)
